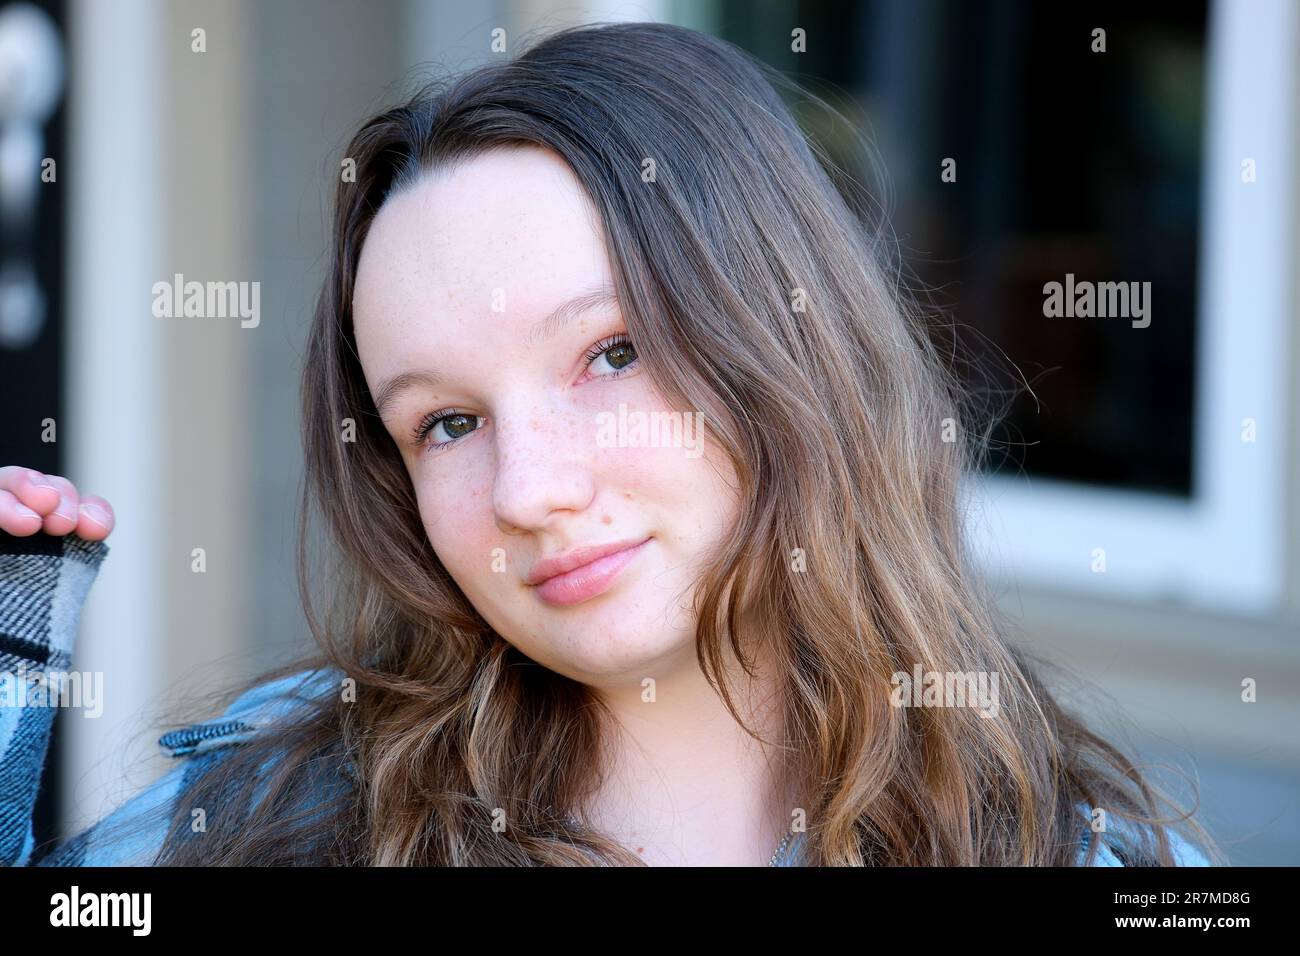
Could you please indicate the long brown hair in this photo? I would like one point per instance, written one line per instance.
(848, 433)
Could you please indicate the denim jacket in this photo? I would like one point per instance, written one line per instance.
(243, 719)
(43, 581)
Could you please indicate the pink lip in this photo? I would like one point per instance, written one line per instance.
(596, 574)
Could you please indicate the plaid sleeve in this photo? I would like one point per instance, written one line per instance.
(44, 580)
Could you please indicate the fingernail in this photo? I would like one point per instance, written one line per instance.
(63, 511)
(41, 480)
(24, 511)
(96, 514)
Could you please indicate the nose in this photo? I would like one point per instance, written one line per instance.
(543, 466)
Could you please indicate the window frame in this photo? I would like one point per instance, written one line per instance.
(1223, 548)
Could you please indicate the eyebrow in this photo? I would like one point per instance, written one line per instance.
(392, 388)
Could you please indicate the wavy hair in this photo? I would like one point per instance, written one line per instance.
(849, 436)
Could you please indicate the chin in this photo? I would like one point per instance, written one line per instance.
(614, 648)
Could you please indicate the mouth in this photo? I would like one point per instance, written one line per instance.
(584, 581)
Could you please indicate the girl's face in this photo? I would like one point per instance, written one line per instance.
(508, 424)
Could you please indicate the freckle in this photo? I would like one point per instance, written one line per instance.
(606, 520)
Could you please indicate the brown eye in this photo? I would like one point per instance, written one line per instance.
(618, 353)
(455, 425)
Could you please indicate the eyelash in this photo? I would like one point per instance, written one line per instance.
(430, 421)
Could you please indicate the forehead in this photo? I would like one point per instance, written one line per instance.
(512, 223)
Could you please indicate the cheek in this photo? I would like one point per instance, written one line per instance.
(458, 522)
(661, 475)
(654, 449)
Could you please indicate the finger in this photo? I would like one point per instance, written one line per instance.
(96, 518)
(65, 516)
(16, 517)
(32, 488)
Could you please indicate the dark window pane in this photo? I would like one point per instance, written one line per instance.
(1069, 162)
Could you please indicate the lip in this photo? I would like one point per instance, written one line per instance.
(584, 572)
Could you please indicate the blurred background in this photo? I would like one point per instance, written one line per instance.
(1139, 515)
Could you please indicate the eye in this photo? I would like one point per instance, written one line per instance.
(452, 422)
(616, 351)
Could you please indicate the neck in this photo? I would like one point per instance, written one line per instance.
(683, 782)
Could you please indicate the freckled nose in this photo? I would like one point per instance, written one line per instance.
(543, 466)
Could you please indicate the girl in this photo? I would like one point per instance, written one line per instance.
(635, 464)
